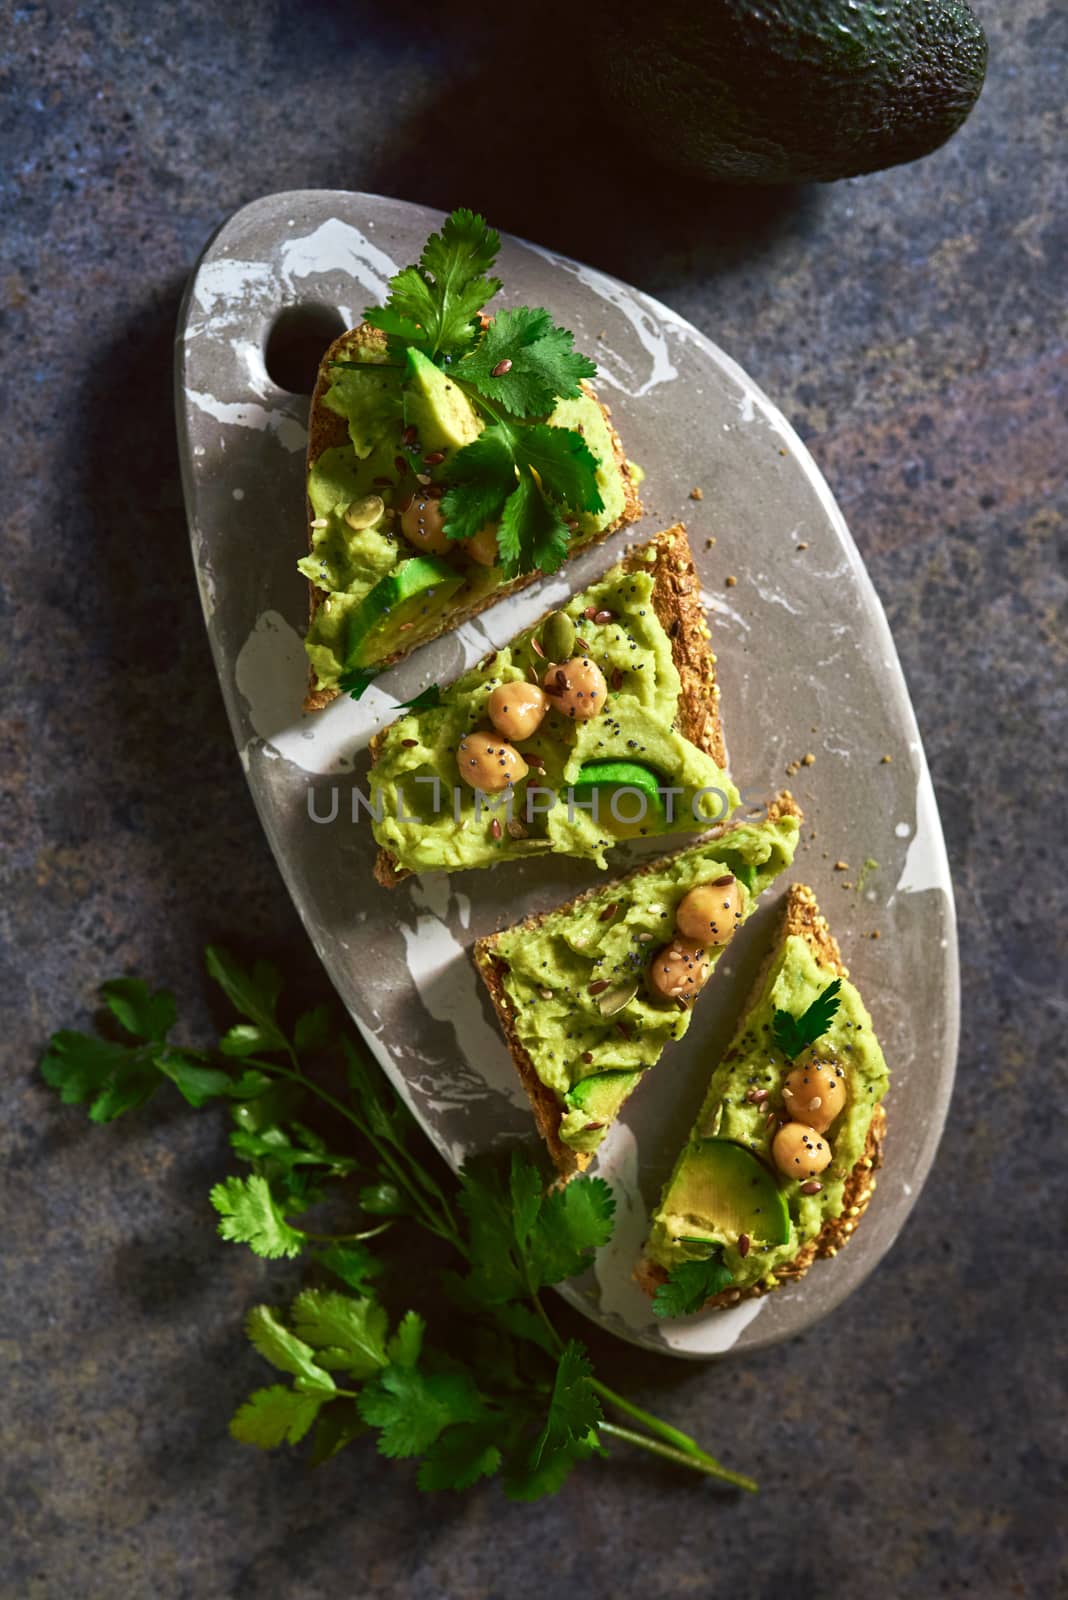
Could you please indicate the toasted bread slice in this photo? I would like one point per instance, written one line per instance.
(546, 1106)
(677, 602)
(801, 916)
(326, 430)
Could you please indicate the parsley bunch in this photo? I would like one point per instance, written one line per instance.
(486, 1386)
(533, 480)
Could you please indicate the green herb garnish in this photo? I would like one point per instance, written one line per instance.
(794, 1034)
(426, 700)
(484, 1387)
(355, 681)
(690, 1284)
(531, 479)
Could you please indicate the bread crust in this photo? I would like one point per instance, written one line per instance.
(801, 916)
(547, 1109)
(326, 430)
(676, 599)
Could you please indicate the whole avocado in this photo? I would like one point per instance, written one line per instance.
(790, 91)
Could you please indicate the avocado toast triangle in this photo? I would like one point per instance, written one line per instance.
(780, 1164)
(574, 988)
(624, 740)
(454, 453)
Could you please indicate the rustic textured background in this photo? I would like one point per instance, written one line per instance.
(912, 324)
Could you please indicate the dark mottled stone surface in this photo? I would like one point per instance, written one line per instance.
(913, 325)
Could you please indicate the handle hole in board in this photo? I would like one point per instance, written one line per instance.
(298, 338)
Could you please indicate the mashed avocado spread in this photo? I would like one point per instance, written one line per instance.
(397, 417)
(428, 819)
(563, 975)
(733, 1112)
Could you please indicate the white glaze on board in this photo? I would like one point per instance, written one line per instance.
(448, 985)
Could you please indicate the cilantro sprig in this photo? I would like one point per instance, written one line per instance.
(434, 305)
(795, 1034)
(486, 1386)
(531, 479)
(690, 1284)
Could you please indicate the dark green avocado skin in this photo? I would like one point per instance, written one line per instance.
(784, 91)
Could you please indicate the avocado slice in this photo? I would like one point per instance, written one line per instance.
(731, 1190)
(743, 92)
(436, 407)
(394, 614)
(606, 777)
(601, 1096)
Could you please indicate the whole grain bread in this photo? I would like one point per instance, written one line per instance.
(676, 599)
(327, 430)
(801, 916)
(548, 1110)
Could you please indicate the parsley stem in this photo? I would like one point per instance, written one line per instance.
(535, 1300)
(445, 1228)
(681, 1458)
(345, 1238)
(673, 1436)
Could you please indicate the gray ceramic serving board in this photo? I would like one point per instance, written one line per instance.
(806, 664)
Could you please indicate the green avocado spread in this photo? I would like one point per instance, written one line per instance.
(567, 979)
(396, 417)
(754, 1063)
(428, 819)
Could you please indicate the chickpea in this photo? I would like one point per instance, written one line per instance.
(517, 709)
(422, 525)
(483, 546)
(815, 1092)
(799, 1152)
(576, 688)
(710, 912)
(489, 763)
(679, 971)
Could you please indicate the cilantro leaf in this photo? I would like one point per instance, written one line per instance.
(245, 1038)
(145, 1015)
(196, 1083)
(532, 534)
(411, 1408)
(425, 700)
(524, 1482)
(250, 1215)
(349, 1334)
(514, 476)
(564, 463)
(794, 1034)
(337, 1426)
(111, 1076)
(275, 1416)
(525, 1188)
(311, 1031)
(274, 1342)
(540, 364)
(518, 1320)
(460, 1456)
(354, 1264)
(481, 477)
(406, 1343)
(495, 1274)
(253, 991)
(355, 681)
(573, 1222)
(574, 1409)
(690, 1284)
(434, 305)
